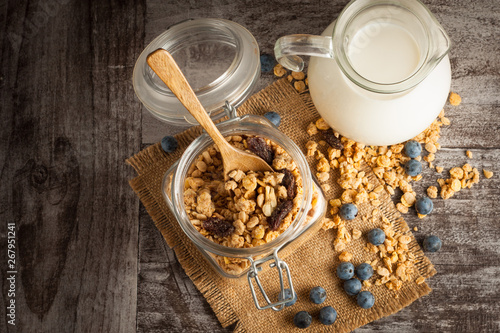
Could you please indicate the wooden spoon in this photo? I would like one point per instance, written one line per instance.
(162, 63)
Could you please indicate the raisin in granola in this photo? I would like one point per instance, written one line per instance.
(289, 183)
(218, 226)
(259, 147)
(332, 140)
(281, 211)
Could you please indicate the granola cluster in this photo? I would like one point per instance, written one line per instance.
(249, 208)
(387, 162)
(395, 265)
(297, 79)
(460, 178)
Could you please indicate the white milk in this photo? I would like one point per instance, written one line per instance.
(384, 53)
(372, 118)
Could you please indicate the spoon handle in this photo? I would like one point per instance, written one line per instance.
(164, 65)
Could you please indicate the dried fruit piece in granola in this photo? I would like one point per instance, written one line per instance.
(218, 227)
(259, 147)
(289, 183)
(281, 211)
(332, 140)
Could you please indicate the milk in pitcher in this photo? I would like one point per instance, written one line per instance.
(383, 53)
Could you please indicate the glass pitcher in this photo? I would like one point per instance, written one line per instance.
(379, 74)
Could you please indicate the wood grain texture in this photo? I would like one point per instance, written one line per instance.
(67, 128)
(89, 256)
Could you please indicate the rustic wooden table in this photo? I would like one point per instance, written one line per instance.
(88, 257)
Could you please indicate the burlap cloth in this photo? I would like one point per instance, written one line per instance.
(312, 261)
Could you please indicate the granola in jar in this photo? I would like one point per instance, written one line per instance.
(247, 209)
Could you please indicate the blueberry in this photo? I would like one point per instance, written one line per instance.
(352, 287)
(424, 205)
(348, 211)
(302, 319)
(317, 295)
(345, 270)
(376, 236)
(288, 294)
(267, 62)
(364, 271)
(413, 168)
(365, 299)
(169, 144)
(273, 117)
(413, 149)
(327, 315)
(432, 244)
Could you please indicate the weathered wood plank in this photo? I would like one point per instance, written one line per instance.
(67, 128)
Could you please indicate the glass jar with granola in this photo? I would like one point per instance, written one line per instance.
(236, 222)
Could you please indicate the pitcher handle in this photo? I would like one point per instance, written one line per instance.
(287, 49)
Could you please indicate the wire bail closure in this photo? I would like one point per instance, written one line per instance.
(253, 274)
(230, 110)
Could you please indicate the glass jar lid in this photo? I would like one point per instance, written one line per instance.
(219, 58)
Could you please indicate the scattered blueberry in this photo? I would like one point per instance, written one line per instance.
(352, 287)
(267, 62)
(317, 295)
(169, 144)
(366, 299)
(348, 211)
(288, 294)
(413, 148)
(376, 236)
(364, 271)
(302, 319)
(424, 205)
(345, 270)
(413, 168)
(327, 315)
(273, 117)
(432, 244)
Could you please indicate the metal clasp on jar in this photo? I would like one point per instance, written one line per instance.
(230, 110)
(253, 274)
